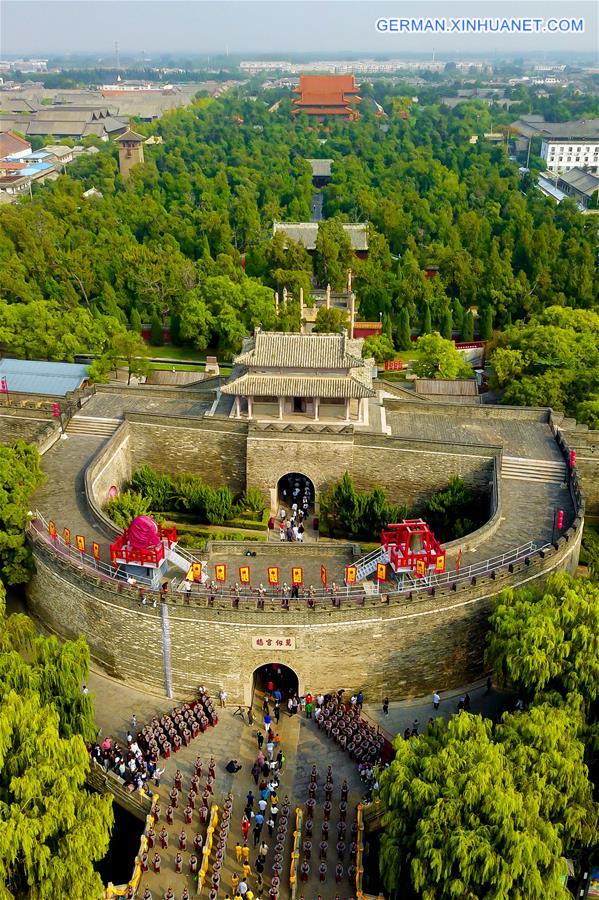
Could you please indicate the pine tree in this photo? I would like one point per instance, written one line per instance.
(156, 333)
(175, 329)
(135, 320)
(458, 315)
(447, 325)
(426, 320)
(485, 324)
(404, 331)
(468, 327)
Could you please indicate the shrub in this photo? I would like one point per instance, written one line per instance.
(124, 508)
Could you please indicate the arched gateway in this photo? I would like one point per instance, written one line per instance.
(274, 676)
(294, 487)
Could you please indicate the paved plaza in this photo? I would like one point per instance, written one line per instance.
(303, 746)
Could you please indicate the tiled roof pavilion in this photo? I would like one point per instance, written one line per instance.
(290, 368)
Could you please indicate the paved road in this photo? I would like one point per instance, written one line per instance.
(317, 201)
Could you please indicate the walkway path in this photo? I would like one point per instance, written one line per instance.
(303, 746)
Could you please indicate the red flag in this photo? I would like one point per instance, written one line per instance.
(323, 575)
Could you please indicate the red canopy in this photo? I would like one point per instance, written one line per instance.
(143, 533)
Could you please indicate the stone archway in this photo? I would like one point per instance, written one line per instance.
(282, 677)
(295, 487)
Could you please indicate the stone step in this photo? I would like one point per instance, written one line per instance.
(547, 471)
(92, 426)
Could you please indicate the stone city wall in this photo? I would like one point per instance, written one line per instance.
(406, 648)
(411, 470)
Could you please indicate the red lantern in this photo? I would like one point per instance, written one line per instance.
(56, 410)
(572, 458)
(559, 521)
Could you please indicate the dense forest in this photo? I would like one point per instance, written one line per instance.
(188, 238)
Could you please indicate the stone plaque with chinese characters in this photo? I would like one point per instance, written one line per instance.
(273, 643)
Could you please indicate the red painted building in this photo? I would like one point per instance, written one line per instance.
(327, 95)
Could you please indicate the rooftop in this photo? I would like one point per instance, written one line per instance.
(303, 351)
(581, 181)
(53, 379)
(250, 385)
(583, 129)
(305, 233)
(321, 168)
(11, 143)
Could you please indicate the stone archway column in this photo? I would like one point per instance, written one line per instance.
(316, 407)
(281, 407)
(237, 407)
(347, 402)
(250, 404)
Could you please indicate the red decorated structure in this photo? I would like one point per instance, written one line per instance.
(144, 543)
(412, 548)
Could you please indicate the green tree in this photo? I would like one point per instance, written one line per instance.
(135, 320)
(404, 330)
(485, 324)
(156, 333)
(130, 347)
(333, 256)
(467, 327)
(329, 321)
(447, 325)
(380, 347)
(126, 507)
(426, 320)
(448, 834)
(20, 474)
(175, 329)
(454, 511)
(52, 830)
(439, 359)
(547, 638)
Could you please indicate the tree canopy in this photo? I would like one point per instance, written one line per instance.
(546, 638)
(471, 811)
(203, 206)
(20, 474)
(51, 829)
(439, 359)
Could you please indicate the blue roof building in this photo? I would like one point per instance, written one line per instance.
(32, 376)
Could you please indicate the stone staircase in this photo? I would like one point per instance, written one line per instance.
(95, 427)
(547, 471)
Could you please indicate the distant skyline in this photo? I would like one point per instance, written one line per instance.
(252, 27)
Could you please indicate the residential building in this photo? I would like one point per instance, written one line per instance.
(318, 377)
(12, 146)
(563, 155)
(534, 125)
(580, 185)
(327, 95)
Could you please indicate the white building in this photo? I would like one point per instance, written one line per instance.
(561, 155)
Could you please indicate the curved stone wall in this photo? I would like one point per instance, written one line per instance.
(406, 648)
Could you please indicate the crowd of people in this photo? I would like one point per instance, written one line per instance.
(199, 798)
(296, 493)
(335, 842)
(137, 762)
(343, 723)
